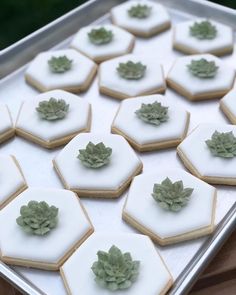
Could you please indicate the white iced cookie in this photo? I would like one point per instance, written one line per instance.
(48, 245)
(6, 127)
(209, 152)
(142, 251)
(228, 105)
(65, 69)
(203, 36)
(131, 75)
(151, 122)
(200, 77)
(12, 181)
(103, 42)
(97, 165)
(53, 118)
(169, 211)
(142, 18)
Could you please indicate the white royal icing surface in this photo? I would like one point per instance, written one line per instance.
(223, 39)
(143, 133)
(110, 78)
(75, 77)
(163, 223)
(123, 163)
(72, 226)
(119, 45)
(198, 153)
(229, 100)
(75, 120)
(157, 18)
(140, 247)
(181, 75)
(11, 180)
(5, 119)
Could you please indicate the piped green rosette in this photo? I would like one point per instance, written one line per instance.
(203, 30)
(131, 70)
(37, 218)
(60, 64)
(95, 155)
(140, 11)
(115, 270)
(53, 109)
(171, 196)
(153, 113)
(202, 68)
(100, 36)
(222, 145)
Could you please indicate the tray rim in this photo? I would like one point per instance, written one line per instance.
(15, 53)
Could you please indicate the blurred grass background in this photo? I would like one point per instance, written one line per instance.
(18, 18)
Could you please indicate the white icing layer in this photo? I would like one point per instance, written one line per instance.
(5, 119)
(123, 163)
(110, 79)
(140, 247)
(157, 18)
(223, 39)
(75, 77)
(198, 153)
(72, 227)
(229, 100)
(142, 207)
(75, 120)
(143, 133)
(182, 76)
(119, 45)
(11, 180)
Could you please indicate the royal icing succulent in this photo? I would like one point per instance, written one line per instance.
(140, 11)
(202, 68)
(37, 218)
(95, 155)
(203, 30)
(131, 70)
(170, 195)
(53, 109)
(153, 113)
(100, 36)
(222, 144)
(115, 270)
(60, 64)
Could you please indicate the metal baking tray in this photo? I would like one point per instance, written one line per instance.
(185, 260)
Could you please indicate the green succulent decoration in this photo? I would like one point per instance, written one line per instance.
(153, 113)
(171, 196)
(140, 11)
(203, 30)
(115, 270)
(100, 36)
(37, 218)
(53, 109)
(202, 68)
(222, 144)
(95, 155)
(131, 70)
(60, 64)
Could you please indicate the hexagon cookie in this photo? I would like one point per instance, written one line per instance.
(221, 44)
(107, 181)
(6, 126)
(145, 24)
(146, 135)
(166, 226)
(75, 78)
(53, 133)
(113, 84)
(122, 42)
(201, 161)
(195, 88)
(11, 178)
(228, 105)
(52, 249)
(140, 248)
